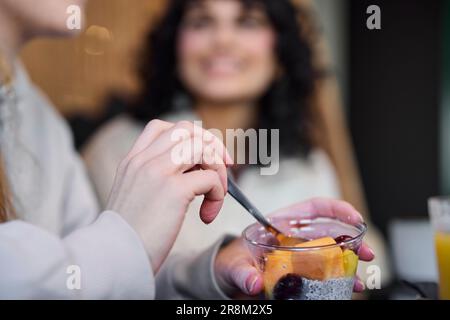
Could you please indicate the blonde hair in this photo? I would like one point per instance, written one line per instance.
(6, 207)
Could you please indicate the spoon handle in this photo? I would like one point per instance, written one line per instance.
(237, 194)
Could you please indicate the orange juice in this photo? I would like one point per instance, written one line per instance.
(442, 242)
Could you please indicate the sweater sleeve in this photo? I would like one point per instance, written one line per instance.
(105, 260)
(191, 276)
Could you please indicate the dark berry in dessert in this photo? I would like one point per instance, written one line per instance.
(342, 238)
(299, 225)
(289, 287)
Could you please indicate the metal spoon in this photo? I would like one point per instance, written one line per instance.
(239, 196)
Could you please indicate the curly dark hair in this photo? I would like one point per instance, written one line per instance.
(285, 105)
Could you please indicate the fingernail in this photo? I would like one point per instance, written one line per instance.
(250, 284)
(361, 285)
(371, 252)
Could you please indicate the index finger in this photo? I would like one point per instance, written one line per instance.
(322, 207)
(151, 132)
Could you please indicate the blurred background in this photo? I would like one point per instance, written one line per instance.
(394, 84)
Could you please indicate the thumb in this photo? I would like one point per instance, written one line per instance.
(247, 278)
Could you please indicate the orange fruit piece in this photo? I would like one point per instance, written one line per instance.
(320, 264)
(278, 263)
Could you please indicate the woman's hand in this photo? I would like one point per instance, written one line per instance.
(154, 184)
(234, 267)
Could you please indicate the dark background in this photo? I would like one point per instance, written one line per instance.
(394, 105)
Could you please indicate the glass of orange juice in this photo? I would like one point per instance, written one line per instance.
(439, 208)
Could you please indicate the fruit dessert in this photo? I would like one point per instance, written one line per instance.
(319, 273)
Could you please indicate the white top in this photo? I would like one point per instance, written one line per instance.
(57, 208)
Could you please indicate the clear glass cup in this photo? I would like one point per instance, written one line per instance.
(439, 208)
(320, 269)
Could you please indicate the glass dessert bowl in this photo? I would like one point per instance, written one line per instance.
(322, 268)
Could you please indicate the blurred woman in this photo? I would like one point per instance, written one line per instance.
(238, 64)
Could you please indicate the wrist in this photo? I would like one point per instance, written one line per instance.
(222, 270)
(223, 280)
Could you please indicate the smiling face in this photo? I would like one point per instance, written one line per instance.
(43, 17)
(226, 51)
